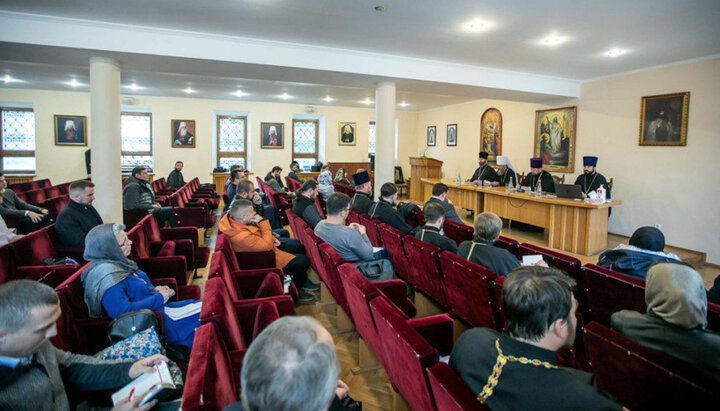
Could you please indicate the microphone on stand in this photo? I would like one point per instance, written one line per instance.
(426, 149)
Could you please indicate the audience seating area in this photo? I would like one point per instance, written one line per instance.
(244, 293)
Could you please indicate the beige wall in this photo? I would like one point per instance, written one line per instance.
(62, 164)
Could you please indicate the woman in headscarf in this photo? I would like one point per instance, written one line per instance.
(325, 184)
(341, 177)
(114, 285)
(645, 248)
(676, 318)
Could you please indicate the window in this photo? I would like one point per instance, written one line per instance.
(371, 138)
(136, 140)
(305, 143)
(17, 138)
(232, 141)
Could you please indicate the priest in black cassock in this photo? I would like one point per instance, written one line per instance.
(484, 172)
(590, 180)
(505, 172)
(537, 174)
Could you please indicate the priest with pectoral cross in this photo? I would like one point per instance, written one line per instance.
(484, 172)
(537, 174)
(590, 180)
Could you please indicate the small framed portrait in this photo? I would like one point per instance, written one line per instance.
(273, 135)
(452, 135)
(346, 133)
(183, 133)
(431, 136)
(664, 120)
(70, 130)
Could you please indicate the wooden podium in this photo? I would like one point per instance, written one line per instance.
(422, 167)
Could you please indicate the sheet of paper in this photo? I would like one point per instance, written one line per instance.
(178, 313)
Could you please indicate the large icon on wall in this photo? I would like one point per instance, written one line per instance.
(555, 138)
(273, 135)
(346, 133)
(431, 136)
(183, 133)
(491, 133)
(452, 134)
(70, 130)
(664, 119)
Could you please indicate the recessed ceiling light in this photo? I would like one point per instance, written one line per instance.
(552, 40)
(239, 93)
(285, 96)
(615, 52)
(328, 99)
(477, 25)
(74, 83)
(8, 79)
(134, 87)
(367, 101)
(188, 90)
(403, 104)
(379, 9)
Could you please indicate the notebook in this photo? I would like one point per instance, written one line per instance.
(154, 383)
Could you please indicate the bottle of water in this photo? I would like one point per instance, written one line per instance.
(539, 189)
(459, 180)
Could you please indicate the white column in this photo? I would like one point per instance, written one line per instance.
(105, 137)
(384, 135)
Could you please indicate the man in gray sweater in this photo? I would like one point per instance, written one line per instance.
(33, 373)
(351, 242)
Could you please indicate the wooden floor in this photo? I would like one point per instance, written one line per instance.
(372, 386)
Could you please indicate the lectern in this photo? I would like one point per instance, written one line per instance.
(422, 167)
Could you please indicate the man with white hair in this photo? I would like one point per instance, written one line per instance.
(272, 139)
(291, 365)
(506, 174)
(183, 137)
(70, 131)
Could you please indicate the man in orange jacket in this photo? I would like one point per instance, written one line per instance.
(249, 231)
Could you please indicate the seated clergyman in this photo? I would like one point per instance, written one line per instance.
(518, 370)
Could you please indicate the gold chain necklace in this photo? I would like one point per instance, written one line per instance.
(585, 189)
(500, 362)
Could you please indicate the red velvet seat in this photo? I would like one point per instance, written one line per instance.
(7, 265)
(508, 244)
(713, 317)
(406, 354)
(371, 228)
(64, 188)
(642, 378)
(190, 214)
(608, 291)
(353, 217)
(76, 253)
(29, 252)
(457, 232)
(247, 260)
(45, 182)
(313, 253)
(212, 380)
(392, 240)
(36, 197)
(415, 218)
(468, 287)
(570, 265)
(427, 276)
(200, 255)
(55, 205)
(450, 391)
(52, 191)
(240, 321)
(331, 261)
(320, 205)
(164, 261)
(246, 284)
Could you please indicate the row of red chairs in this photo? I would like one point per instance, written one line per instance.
(192, 205)
(173, 251)
(473, 294)
(30, 185)
(281, 201)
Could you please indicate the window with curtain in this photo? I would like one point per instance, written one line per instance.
(305, 143)
(231, 141)
(17, 140)
(371, 138)
(136, 140)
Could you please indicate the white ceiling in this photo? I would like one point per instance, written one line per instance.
(652, 32)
